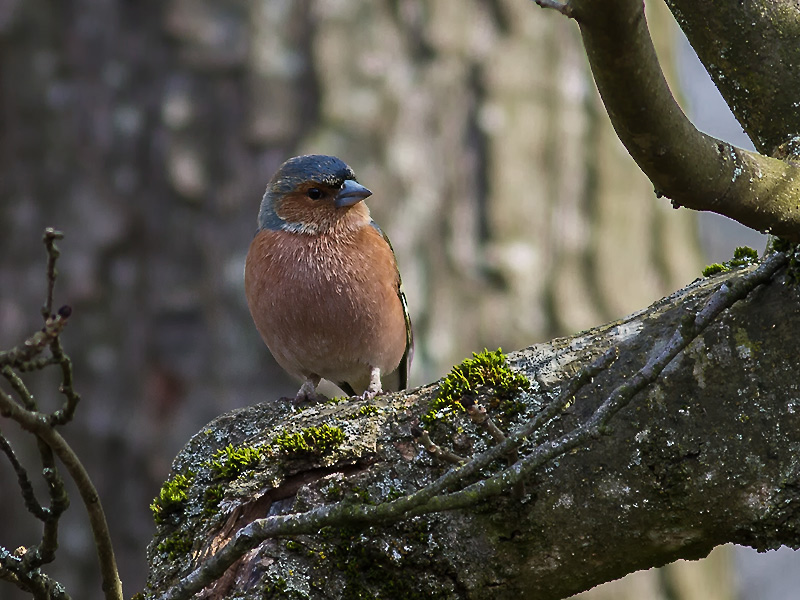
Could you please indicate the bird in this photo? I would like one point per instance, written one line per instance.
(322, 282)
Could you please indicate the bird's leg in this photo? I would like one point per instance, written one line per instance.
(308, 391)
(374, 388)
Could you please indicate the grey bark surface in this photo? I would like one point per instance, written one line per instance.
(705, 456)
(750, 51)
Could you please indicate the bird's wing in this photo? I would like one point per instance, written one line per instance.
(405, 363)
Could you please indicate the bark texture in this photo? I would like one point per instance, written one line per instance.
(705, 456)
(750, 51)
(693, 169)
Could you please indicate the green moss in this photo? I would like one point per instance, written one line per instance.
(279, 586)
(337, 400)
(793, 251)
(365, 411)
(361, 495)
(176, 545)
(486, 372)
(714, 268)
(315, 441)
(230, 462)
(172, 496)
(211, 499)
(780, 245)
(369, 571)
(333, 493)
(393, 494)
(279, 589)
(509, 408)
(742, 257)
(743, 341)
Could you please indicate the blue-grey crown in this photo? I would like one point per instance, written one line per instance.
(319, 168)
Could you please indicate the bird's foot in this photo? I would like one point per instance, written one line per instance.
(374, 388)
(308, 392)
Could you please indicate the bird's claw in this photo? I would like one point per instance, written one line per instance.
(374, 388)
(308, 392)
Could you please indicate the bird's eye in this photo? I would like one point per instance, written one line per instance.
(315, 193)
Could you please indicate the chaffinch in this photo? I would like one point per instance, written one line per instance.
(322, 283)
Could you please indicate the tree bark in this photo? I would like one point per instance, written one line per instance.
(693, 169)
(704, 456)
(750, 49)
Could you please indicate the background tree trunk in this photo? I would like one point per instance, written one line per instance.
(146, 132)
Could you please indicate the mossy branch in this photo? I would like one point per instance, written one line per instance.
(454, 489)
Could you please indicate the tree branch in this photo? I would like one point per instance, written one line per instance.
(755, 68)
(693, 169)
(478, 481)
(39, 424)
(22, 567)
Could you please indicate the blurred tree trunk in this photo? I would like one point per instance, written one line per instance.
(146, 132)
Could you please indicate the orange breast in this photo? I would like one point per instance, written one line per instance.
(327, 305)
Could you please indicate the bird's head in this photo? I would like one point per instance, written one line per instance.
(313, 194)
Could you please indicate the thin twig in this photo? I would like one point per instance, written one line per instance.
(49, 239)
(39, 424)
(67, 387)
(478, 415)
(50, 442)
(22, 355)
(19, 387)
(441, 453)
(36, 583)
(45, 552)
(25, 485)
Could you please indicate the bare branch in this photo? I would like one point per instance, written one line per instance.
(67, 387)
(28, 496)
(39, 424)
(693, 169)
(443, 454)
(49, 239)
(724, 298)
(23, 566)
(36, 583)
(754, 69)
(22, 357)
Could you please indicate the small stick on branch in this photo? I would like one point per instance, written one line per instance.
(563, 7)
(49, 239)
(478, 415)
(424, 438)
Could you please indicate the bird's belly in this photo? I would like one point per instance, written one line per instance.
(327, 314)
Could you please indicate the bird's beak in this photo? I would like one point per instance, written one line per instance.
(351, 193)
